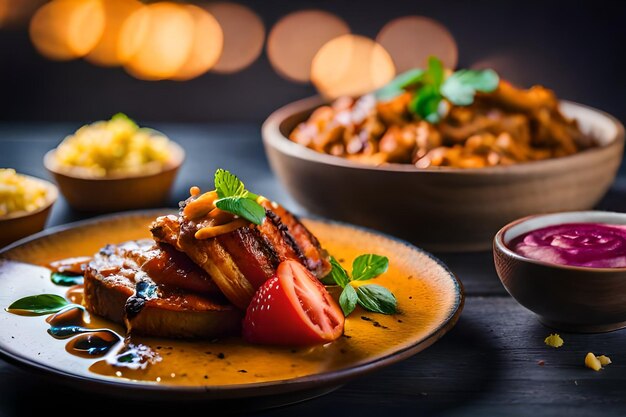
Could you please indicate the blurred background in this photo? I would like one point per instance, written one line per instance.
(84, 60)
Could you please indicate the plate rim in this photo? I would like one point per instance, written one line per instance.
(233, 391)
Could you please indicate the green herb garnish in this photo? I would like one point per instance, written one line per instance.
(37, 305)
(235, 199)
(66, 280)
(399, 84)
(372, 297)
(431, 86)
(121, 117)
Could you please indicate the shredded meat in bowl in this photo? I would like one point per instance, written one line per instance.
(505, 127)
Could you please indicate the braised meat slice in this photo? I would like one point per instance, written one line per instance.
(156, 290)
(241, 260)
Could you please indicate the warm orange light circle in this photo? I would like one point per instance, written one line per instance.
(351, 65)
(116, 12)
(296, 38)
(244, 35)
(14, 13)
(208, 42)
(5, 12)
(160, 38)
(67, 29)
(133, 31)
(410, 40)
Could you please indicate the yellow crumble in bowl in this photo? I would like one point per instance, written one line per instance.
(20, 194)
(112, 148)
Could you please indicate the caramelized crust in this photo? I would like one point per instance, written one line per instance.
(111, 278)
(240, 261)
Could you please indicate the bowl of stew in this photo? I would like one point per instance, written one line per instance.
(568, 268)
(450, 185)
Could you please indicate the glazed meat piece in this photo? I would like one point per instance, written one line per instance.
(209, 254)
(304, 244)
(156, 290)
(520, 126)
(242, 259)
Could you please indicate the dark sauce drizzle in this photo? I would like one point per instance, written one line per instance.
(85, 342)
(89, 342)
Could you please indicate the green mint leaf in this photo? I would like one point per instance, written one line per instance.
(242, 207)
(435, 73)
(66, 280)
(399, 84)
(338, 275)
(251, 196)
(461, 87)
(377, 299)
(348, 300)
(37, 305)
(425, 103)
(121, 117)
(369, 266)
(228, 185)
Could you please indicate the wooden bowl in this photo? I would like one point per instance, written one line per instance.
(111, 194)
(446, 209)
(570, 298)
(17, 225)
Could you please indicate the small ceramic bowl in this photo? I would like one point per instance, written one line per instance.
(569, 298)
(111, 194)
(445, 209)
(17, 225)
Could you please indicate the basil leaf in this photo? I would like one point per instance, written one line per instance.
(398, 85)
(348, 300)
(376, 299)
(338, 275)
(247, 194)
(460, 88)
(38, 304)
(426, 103)
(124, 118)
(435, 73)
(66, 280)
(242, 207)
(369, 266)
(228, 185)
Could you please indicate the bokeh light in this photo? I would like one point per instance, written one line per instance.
(67, 29)
(157, 40)
(116, 12)
(5, 12)
(207, 46)
(244, 35)
(295, 39)
(14, 13)
(410, 40)
(351, 65)
(133, 31)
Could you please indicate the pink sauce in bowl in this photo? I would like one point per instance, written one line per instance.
(593, 245)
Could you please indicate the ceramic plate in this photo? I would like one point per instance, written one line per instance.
(429, 297)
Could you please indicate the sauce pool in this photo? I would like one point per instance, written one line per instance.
(592, 245)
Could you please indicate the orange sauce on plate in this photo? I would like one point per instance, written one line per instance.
(427, 297)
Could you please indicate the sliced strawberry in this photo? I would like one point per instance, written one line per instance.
(293, 308)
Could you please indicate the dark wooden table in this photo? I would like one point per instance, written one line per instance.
(488, 365)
